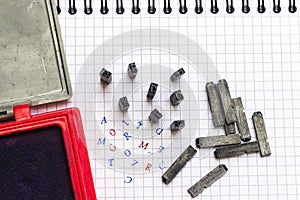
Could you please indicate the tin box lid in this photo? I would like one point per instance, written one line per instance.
(33, 66)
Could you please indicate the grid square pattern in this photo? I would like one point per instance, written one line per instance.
(258, 54)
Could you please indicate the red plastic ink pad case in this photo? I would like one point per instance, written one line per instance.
(42, 156)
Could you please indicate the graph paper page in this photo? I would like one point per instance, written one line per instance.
(259, 56)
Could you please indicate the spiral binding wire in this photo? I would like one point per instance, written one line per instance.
(103, 8)
(261, 6)
(87, 7)
(120, 9)
(167, 9)
(245, 6)
(276, 6)
(135, 7)
(72, 7)
(292, 6)
(198, 7)
(229, 6)
(151, 6)
(214, 7)
(182, 6)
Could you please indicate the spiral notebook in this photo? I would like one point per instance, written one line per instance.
(255, 45)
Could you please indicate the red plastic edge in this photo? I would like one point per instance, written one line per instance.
(69, 120)
(22, 112)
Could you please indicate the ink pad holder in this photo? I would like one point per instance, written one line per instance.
(43, 156)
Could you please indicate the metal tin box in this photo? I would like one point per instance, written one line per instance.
(33, 67)
(43, 156)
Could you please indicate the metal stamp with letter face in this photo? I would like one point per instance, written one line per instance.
(105, 76)
(261, 134)
(132, 70)
(179, 163)
(215, 104)
(177, 125)
(176, 75)
(219, 140)
(155, 116)
(229, 128)
(242, 123)
(207, 180)
(236, 150)
(226, 101)
(176, 98)
(152, 90)
(123, 104)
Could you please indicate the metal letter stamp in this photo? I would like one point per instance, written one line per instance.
(229, 128)
(176, 97)
(155, 116)
(105, 76)
(215, 104)
(123, 103)
(219, 140)
(179, 163)
(236, 150)
(207, 180)
(176, 75)
(261, 134)
(152, 90)
(177, 125)
(226, 101)
(132, 70)
(242, 123)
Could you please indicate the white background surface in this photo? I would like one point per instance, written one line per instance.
(258, 54)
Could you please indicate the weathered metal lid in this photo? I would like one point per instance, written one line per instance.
(33, 67)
